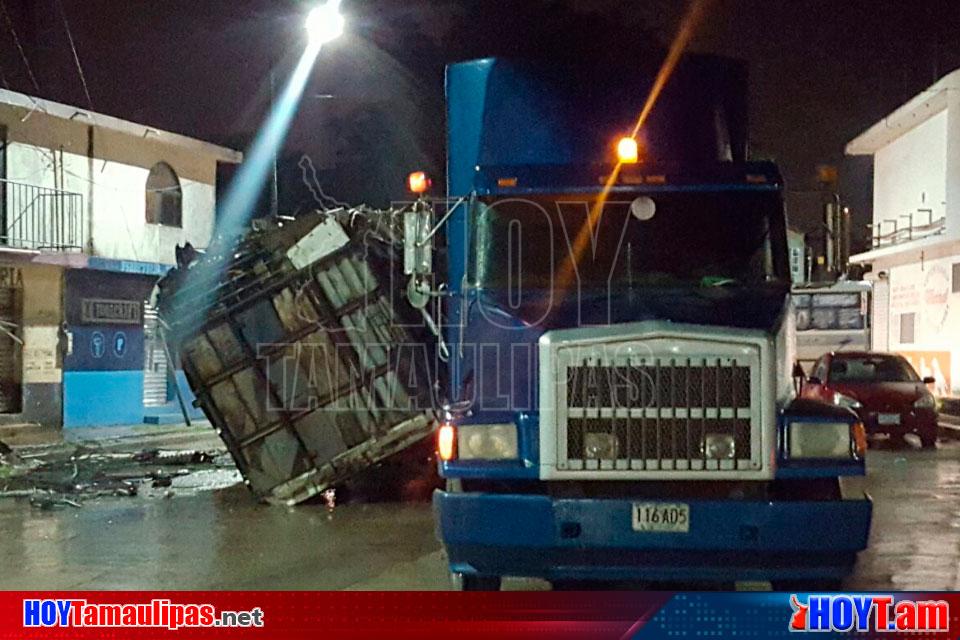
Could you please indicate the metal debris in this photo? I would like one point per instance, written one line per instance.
(61, 477)
(296, 353)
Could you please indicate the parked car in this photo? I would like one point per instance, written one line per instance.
(883, 388)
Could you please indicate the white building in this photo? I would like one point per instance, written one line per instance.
(91, 211)
(916, 231)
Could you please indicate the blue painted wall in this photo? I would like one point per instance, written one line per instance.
(103, 373)
(102, 398)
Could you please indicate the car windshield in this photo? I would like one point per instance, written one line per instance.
(872, 369)
(666, 239)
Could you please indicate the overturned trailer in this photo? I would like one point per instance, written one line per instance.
(296, 354)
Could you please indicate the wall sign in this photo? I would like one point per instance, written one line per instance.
(97, 345)
(11, 278)
(94, 311)
(119, 344)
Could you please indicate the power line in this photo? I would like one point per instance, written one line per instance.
(16, 41)
(76, 57)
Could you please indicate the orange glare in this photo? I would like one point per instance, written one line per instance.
(628, 151)
(688, 26)
(446, 442)
(694, 16)
(418, 182)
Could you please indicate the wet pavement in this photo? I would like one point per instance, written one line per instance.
(193, 538)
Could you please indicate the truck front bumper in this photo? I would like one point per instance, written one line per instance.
(593, 539)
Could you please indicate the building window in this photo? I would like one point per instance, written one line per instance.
(956, 277)
(164, 197)
(907, 325)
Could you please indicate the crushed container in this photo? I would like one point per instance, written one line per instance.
(297, 356)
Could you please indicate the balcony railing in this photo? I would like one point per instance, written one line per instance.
(40, 218)
(908, 227)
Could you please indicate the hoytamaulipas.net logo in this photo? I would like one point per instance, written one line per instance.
(867, 613)
(158, 613)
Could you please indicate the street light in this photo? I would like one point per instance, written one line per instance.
(324, 23)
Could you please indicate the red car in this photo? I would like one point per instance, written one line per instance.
(882, 388)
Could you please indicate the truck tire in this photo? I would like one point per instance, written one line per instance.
(471, 582)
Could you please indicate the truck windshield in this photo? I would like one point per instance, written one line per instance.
(670, 239)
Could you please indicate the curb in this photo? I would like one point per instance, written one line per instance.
(949, 426)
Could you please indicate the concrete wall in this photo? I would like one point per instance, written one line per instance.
(925, 289)
(114, 196)
(40, 354)
(910, 175)
(109, 168)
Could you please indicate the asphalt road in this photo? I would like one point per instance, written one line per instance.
(202, 539)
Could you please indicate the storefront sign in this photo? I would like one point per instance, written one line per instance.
(111, 312)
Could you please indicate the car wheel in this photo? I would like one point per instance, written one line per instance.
(471, 582)
(928, 440)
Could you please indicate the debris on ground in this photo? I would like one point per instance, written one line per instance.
(58, 477)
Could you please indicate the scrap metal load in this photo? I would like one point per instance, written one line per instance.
(296, 356)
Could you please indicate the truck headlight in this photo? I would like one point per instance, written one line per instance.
(926, 401)
(719, 446)
(820, 440)
(487, 442)
(846, 401)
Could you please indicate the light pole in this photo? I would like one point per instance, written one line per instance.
(324, 24)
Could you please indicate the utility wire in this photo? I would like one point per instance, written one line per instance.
(16, 41)
(76, 57)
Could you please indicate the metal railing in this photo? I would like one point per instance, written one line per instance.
(34, 217)
(910, 226)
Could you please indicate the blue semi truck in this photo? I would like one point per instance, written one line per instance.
(621, 345)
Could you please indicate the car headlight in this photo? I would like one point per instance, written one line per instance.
(926, 401)
(487, 442)
(846, 401)
(820, 440)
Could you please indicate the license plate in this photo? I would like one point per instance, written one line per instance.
(888, 418)
(671, 517)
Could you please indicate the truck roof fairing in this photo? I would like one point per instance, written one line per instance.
(536, 112)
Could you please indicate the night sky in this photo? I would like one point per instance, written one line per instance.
(821, 71)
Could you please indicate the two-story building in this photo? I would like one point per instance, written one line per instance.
(915, 253)
(91, 210)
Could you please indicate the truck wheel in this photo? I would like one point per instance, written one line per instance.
(470, 582)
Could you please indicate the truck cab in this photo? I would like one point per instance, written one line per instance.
(621, 345)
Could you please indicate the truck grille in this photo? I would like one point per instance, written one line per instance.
(690, 410)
